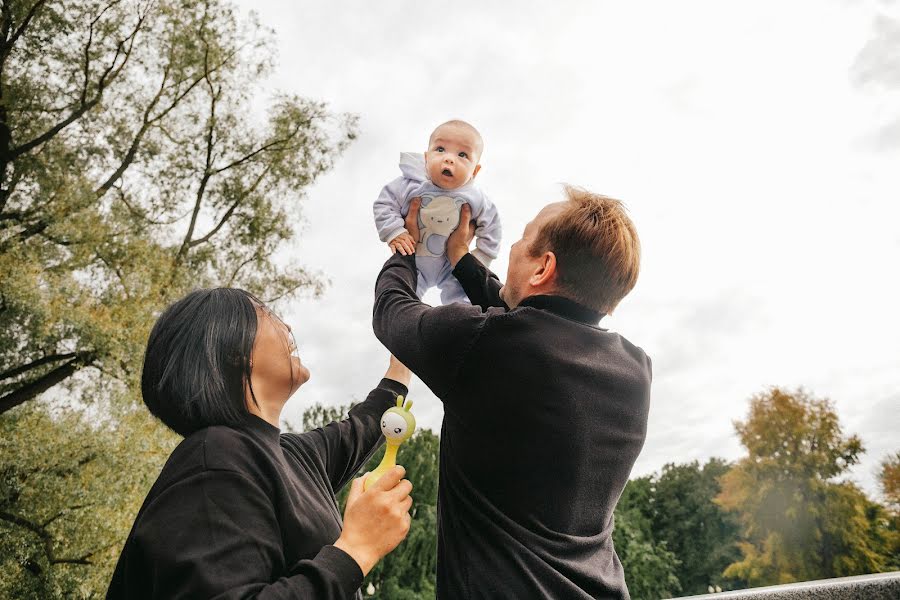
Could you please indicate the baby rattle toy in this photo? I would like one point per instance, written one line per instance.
(397, 425)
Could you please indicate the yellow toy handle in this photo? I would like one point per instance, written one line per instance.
(387, 463)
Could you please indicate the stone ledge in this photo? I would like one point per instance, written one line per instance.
(880, 586)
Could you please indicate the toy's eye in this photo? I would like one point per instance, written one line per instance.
(398, 430)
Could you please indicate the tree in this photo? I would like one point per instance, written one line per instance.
(650, 567)
(889, 477)
(407, 573)
(797, 522)
(699, 533)
(133, 169)
(70, 489)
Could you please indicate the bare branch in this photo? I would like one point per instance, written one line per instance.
(149, 121)
(231, 210)
(64, 512)
(118, 273)
(43, 383)
(45, 360)
(207, 170)
(25, 523)
(258, 151)
(108, 76)
(7, 22)
(239, 268)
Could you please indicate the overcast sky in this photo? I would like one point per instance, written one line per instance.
(756, 145)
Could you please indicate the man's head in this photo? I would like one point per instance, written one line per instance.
(453, 155)
(584, 248)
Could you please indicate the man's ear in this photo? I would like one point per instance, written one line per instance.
(475, 172)
(545, 274)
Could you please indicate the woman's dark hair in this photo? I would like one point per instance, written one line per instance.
(198, 358)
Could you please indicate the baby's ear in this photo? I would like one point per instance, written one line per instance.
(475, 172)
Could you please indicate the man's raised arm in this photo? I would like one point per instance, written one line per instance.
(431, 341)
(480, 284)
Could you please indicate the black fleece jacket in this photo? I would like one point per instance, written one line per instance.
(250, 512)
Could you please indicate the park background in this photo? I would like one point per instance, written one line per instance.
(755, 146)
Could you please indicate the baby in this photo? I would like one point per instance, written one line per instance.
(442, 178)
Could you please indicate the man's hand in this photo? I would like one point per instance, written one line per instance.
(459, 241)
(404, 244)
(412, 219)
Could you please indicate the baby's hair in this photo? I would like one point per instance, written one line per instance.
(464, 125)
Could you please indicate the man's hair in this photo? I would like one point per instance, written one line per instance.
(464, 125)
(598, 253)
(198, 360)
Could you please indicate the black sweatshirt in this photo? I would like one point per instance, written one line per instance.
(250, 512)
(544, 416)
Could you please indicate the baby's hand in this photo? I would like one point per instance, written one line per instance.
(403, 243)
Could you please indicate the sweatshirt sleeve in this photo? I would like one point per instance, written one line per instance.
(431, 341)
(345, 446)
(488, 232)
(388, 210)
(215, 535)
(480, 284)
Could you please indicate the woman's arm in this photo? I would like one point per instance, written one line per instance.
(345, 446)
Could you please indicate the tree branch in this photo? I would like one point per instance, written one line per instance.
(45, 360)
(108, 76)
(7, 22)
(231, 209)
(42, 384)
(239, 268)
(207, 169)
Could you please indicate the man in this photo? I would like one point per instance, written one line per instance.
(544, 411)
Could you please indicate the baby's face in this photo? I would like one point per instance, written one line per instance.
(452, 157)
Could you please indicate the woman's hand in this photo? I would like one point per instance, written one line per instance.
(398, 372)
(376, 520)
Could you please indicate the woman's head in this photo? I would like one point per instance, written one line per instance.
(214, 356)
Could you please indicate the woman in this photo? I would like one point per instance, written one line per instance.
(240, 509)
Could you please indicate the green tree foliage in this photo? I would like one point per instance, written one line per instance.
(799, 523)
(407, 573)
(889, 477)
(70, 490)
(680, 512)
(132, 169)
(651, 569)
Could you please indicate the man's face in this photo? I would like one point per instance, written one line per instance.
(521, 264)
(452, 157)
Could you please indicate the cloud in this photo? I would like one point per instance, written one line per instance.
(878, 63)
(769, 235)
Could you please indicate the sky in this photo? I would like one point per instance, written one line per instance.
(756, 146)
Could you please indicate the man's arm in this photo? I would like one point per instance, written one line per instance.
(480, 284)
(431, 341)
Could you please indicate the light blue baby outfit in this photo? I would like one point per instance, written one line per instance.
(438, 218)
